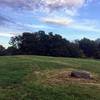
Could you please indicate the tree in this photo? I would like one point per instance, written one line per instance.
(2, 50)
(40, 43)
(89, 47)
(75, 51)
(12, 51)
(97, 52)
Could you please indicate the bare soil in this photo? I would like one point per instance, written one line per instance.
(64, 77)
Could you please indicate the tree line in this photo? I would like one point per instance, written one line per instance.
(40, 43)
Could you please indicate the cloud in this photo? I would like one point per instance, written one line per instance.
(34, 26)
(17, 4)
(4, 20)
(6, 35)
(85, 28)
(58, 21)
(55, 4)
(86, 25)
(43, 5)
(58, 7)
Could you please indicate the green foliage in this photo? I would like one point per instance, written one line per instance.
(40, 43)
(2, 50)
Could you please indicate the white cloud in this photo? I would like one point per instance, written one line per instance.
(48, 3)
(85, 28)
(63, 3)
(86, 25)
(69, 6)
(6, 35)
(58, 20)
(34, 26)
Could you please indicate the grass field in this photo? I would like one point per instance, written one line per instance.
(34, 78)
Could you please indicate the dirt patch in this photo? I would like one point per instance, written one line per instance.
(64, 77)
(60, 77)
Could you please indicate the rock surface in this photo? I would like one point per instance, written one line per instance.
(81, 74)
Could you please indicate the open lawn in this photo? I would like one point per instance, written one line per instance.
(40, 78)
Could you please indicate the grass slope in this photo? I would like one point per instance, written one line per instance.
(21, 78)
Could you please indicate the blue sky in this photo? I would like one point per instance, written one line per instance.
(73, 19)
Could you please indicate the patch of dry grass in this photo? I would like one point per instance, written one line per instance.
(60, 77)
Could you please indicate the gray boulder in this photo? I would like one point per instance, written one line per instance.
(81, 74)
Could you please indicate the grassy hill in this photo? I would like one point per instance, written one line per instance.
(39, 78)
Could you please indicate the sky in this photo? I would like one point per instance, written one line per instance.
(73, 19)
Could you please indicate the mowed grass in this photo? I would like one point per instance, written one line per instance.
(22, 78)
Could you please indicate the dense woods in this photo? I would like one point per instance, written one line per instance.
(41, 43)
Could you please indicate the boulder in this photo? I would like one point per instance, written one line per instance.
(81, 74)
